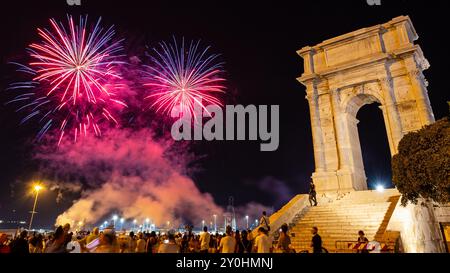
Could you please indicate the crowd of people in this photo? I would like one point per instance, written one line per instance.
(62, 240)
(110, 241)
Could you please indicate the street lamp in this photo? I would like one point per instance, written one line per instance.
(37, 188)
(246, 218)
(146, 222)
(134, 224)
(114, 220)
(121, 222)
(215, 223)
(203, 223)
(256, 222)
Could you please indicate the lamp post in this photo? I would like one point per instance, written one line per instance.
(121, 223)
(246, 218)
(36, 189)
(215, 222)
(134, 224)
(146, 223)
(114, 220)
(203, 224)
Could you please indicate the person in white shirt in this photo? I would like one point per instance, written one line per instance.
(227, 243)
(374, 247)
(262, 241)
(205, 238)
(140, 244)
(264, 221)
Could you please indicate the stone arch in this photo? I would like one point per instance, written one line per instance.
(376, 64)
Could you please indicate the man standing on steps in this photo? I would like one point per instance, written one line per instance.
(312, 194)
(316, 242)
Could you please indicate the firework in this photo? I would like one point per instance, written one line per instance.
(183, 77)
(71, 70)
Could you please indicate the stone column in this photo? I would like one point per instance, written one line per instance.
(342, 140)
(393, 117)
(420, 93)
(388, 130)
(316, 128)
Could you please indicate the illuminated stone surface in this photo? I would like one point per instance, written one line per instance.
(375, 64)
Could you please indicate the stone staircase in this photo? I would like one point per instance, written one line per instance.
(339, 218)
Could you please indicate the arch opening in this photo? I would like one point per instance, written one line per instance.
(374, 145)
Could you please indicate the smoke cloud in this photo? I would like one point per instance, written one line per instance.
(128, 173)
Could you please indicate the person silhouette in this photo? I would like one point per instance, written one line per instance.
(312, 194)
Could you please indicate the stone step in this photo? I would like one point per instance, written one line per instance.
(351, 207)
(340, 220)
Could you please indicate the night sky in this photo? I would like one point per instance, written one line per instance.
(258, 43)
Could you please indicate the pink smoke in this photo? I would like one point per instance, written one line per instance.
(131, 174)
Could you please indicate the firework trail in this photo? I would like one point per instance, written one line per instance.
(71, 71)
(183, 77)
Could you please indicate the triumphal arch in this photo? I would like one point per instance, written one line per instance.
(375, 64)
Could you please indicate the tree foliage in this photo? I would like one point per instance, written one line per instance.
(421, 169)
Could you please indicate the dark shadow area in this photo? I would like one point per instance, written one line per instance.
(374, 146)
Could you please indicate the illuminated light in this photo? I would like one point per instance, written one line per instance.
(379, 188)
(115, 217)
(37, 188)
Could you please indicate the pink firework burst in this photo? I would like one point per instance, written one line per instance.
(72, 69)
(184, 77)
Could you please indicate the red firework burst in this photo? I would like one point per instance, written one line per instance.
(71, 72)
